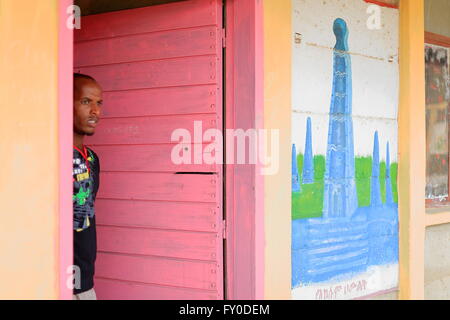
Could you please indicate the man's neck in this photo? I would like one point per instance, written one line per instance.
(78, 140)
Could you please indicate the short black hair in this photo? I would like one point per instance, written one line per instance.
(82, 76)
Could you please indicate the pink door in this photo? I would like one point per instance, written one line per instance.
(159, 224)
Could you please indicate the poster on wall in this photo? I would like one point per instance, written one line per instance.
(437, 80)
(344, 149)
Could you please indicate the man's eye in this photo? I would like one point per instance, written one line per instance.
(84, 101)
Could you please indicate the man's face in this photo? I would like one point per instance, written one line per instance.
(87, 105)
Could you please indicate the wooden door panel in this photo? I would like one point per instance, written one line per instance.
(159, 224)
(168, 272)
(203, 217)
(148, 130)
(186, 14)
(140, 47)
(151, 158)
(161, 243)
(186, 71)
(160, 101)
(109, 289)
(159, 186)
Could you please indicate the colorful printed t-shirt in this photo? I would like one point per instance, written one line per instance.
(86, 181)
(85, 186)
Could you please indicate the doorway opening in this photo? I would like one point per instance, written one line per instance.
(160, 64)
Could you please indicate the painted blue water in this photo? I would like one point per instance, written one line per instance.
(338, 249)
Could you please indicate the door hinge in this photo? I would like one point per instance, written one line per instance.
(224, 229)
(224, 38)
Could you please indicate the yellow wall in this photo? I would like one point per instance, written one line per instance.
(28, 145)
(411, 132)
(277, 115)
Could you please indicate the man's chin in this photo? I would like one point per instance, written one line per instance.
(84, 132)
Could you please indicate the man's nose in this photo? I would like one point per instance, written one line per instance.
(95, 109)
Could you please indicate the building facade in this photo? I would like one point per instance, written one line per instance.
(333, 207)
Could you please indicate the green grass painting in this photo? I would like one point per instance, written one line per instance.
(308, 203)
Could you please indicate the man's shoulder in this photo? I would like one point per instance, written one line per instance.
(96, 159)
(92, 152)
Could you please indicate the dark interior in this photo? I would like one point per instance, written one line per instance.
(89, 7)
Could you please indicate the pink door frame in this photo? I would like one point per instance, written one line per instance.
(244, 188)
(244, 109)
(65, 116)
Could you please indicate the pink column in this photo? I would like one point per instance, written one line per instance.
(244, 184)
(65, 85)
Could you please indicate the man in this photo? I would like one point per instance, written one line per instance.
(87, 103)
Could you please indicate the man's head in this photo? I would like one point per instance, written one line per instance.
(87, 103)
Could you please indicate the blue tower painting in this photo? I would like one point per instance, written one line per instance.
(389, 196)
(308, 164)
(295, 181)
(375, 192)
(340, 198)
(347, 239)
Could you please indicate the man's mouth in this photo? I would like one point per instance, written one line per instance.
(93, 122)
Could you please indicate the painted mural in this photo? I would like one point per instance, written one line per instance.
(344, 197)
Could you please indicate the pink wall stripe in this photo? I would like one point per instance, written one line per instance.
(65, 67)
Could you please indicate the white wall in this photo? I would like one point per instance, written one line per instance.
(375, 79)
(375, 74)
(437, 262)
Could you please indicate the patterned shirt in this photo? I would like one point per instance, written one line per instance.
(85, 186)
(86, 181)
